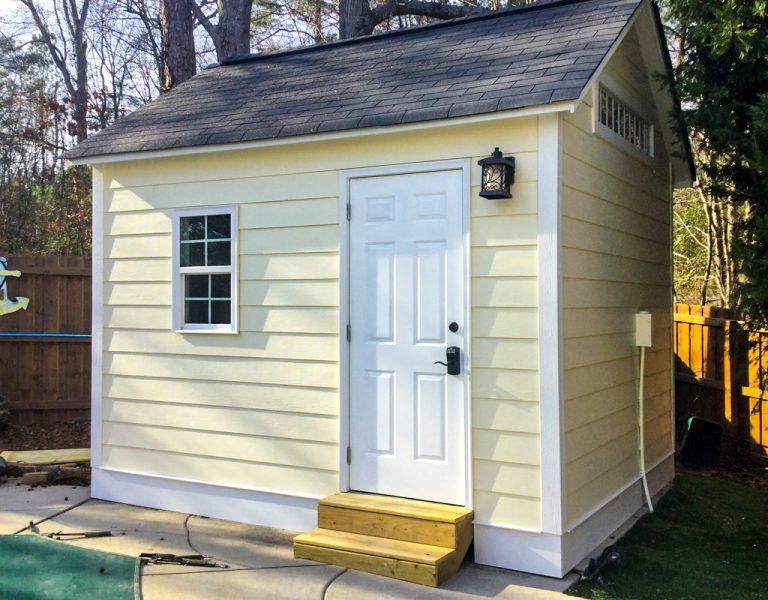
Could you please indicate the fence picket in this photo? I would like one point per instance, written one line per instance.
(720, 373)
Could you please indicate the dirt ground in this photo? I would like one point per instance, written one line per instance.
(67, 434)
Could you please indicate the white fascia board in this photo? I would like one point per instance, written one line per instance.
(555, 107)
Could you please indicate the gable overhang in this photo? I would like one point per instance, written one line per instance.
(555, 107)
(656, 58)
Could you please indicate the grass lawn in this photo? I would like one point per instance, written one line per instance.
(707, 539)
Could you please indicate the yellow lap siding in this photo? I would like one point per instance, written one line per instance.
(253, 345)
(507, 415)
(137, 317)
(289, 293)
(132, 270)
(304, 319)
(504, 509)
(499, 322)
(506, 446)
(281, 240)
(258, 394)
(616, 260)
(277, 372)
(290, 266)
(170, 194)
(226, 394)
(514, 479)
(228, 472)
(497, 384)
(293, 213)
(240, 421)
(138, 294)
(138, 246)
(513, 261)
(244, 447)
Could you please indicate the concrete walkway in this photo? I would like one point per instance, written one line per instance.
(260, 558)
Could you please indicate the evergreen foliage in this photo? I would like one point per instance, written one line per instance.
(722, 79)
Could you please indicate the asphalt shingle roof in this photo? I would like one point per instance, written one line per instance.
(534, 55)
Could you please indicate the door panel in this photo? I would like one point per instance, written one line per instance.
(406, 286)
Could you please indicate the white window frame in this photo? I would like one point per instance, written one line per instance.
(617, 91)
(179, 326)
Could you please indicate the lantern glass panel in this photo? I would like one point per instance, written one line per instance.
(493, 178)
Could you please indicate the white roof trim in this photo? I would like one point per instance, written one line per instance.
(555, 107)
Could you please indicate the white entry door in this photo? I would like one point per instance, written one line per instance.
(406, 290)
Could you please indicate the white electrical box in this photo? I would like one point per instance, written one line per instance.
(643, 329)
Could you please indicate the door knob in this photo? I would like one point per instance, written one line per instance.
(453, 327)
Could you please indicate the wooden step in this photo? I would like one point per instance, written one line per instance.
(396, 518)
(417, 563)
(412, 540)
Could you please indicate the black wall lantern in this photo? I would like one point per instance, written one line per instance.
(498, 175)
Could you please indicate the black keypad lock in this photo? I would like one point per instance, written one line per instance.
(452, 360)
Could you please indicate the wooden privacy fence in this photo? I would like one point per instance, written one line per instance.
(721, 374)
(47, 378)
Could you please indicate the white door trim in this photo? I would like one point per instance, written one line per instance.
(345, 176)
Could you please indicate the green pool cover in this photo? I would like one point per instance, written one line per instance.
(35, 568)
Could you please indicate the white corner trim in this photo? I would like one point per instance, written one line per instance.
(550, 326)
(345, 176)
(97, 307)
(245, 506)
(324, 137)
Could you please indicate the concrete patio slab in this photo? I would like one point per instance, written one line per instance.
(260, 559)
(20, 504)
(471, 582)
(307, 582)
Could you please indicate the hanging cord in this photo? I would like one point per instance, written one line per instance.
(641, 419)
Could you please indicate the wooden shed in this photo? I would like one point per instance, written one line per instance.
(287, 246)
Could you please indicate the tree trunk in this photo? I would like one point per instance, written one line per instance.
(235, 28)
(355, 19)
(231, 36)
(178, 43)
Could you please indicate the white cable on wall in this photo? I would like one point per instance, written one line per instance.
(643, 335)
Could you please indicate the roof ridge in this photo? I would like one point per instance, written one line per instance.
(536, 6)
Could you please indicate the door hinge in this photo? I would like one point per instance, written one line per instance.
(349, 455)
(349, 211)
(349, 333)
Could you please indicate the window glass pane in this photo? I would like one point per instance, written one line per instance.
(193, 254)
(220, 287)
(218, 226)
(196, 286)
(220, 312)
(218, 253)
(192, 228)
(196, 311)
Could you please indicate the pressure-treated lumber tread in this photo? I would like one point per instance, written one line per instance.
(395, 527)
(419, 509)
(386, 567)
(374, 546)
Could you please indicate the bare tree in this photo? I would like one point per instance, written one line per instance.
(68, 48)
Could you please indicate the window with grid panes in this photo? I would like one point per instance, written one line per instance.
(205, 280)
